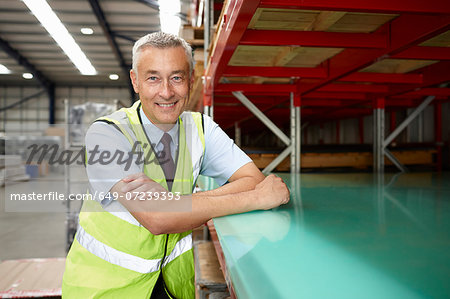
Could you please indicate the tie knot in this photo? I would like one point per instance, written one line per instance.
(165, 140)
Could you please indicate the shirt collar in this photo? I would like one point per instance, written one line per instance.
(154, 133)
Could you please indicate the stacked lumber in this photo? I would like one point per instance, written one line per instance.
(359, 160)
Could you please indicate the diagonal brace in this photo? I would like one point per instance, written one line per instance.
(262, 117)
(394, 160)
(269, 168)
(408, 120)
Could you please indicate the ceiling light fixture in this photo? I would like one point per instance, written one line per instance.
(43, 12)
(27, 75)
(4, 69)
(87, 30)
(168, 10)
(113, 76)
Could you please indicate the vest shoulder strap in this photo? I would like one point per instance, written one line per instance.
(190, 118)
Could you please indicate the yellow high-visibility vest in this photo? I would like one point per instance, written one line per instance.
(113, 255)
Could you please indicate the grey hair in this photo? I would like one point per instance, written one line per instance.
(161, 40)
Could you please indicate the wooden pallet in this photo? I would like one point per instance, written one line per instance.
(208, 276)
(310, 20)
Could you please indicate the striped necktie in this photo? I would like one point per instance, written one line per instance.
(166, 160)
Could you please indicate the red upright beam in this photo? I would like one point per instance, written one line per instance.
(427, 53)
(314, 39)
(383, 78)
(402, 37)
(236, 20)
(379, 6)
(207, 99)
(378, 103)
(282, 72)
(297, 100)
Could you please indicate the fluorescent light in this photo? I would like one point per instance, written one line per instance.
(43, 12)
(168, 10)
(113, 76)
(200, 13)
(4, 69)
(87, 31)
(27, 75)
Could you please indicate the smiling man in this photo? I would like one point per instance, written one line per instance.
(134, 239)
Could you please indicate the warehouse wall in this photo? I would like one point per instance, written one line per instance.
(33, 115)
(446, 122)
(420, 130)
(30, 116)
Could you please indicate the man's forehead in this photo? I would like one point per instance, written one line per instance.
(148, 49)
(150, 52)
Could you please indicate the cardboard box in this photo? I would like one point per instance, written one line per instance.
(55, 131)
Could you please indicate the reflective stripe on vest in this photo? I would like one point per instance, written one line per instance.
(192, 137)
(118, 210)
(181, 247)
(126, 260)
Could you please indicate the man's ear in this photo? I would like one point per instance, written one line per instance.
(133, 78)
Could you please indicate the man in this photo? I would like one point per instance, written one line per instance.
(138, 245)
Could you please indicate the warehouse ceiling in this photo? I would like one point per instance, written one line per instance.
(27, 47)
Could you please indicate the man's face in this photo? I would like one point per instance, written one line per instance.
(162, 81)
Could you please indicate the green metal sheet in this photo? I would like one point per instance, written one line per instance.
(344, 236)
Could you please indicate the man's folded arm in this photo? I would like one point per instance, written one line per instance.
(197, 208)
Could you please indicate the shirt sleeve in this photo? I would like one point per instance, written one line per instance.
(109, 159)
(222, 156)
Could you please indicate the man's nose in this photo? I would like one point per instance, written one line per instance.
(166, 92)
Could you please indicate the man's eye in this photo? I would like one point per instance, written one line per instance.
(177, 78)
(153, 78)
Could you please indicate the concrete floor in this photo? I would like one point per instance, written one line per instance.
(31, 235)
(28, 234)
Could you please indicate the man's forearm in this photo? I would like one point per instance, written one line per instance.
(244, 179)
(240, 185)
(197, 209)
(159, 216)
(203, 209)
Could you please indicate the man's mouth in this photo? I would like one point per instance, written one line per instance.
(166, 105)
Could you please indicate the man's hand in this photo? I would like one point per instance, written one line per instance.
(271, 193)
(140, 182)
